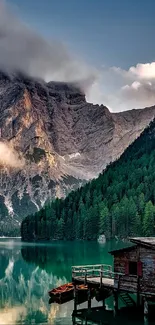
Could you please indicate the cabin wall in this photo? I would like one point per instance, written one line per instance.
(147, 281)
(125, 282)
(144, 282)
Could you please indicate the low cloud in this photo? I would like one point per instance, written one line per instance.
(141, 94)
(9, 157)
(23, 50)
(136, 87)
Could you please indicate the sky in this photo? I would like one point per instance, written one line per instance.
(111, 41)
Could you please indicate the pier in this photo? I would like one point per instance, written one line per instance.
(94, 275)
(130, 280)
(132, 274)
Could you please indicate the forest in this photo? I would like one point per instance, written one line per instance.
(119, 203)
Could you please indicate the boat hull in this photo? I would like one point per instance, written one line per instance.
(65, 293)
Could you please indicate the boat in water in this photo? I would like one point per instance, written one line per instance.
(65, 293)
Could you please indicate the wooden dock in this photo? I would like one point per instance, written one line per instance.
(99, 276)
(131, 279)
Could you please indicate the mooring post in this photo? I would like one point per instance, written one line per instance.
(103, 302)
(138, 299)
(75, 298)
(89, 299)
(115, 302)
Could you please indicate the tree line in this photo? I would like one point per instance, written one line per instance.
(120, 202)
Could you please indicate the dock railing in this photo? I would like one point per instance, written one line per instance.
(92, 271)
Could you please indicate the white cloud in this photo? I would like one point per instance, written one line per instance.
(143, 71)
(135, 85)
(138, 86)
(139, 94)
(9, 157)
(24, 50)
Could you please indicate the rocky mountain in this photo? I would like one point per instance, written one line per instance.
(57, 140)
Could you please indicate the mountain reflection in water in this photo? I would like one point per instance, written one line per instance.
(27, 272)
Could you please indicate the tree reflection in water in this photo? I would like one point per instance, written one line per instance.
(28, 272)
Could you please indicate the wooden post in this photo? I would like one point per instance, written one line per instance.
(104, 304)
(146, 307)
(89, 299)
(110, 272)
(85, 278)
(115, 302)
(73, 320)
(138, 299)
(73, 273)
(146, 321)
(146, 311)
(101, 275)
(138, 290)
(75, 298)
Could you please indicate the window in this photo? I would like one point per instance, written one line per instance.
(133, 268)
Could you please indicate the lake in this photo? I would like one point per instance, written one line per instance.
(28, 271)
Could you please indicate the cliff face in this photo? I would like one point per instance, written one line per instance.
(60, 140)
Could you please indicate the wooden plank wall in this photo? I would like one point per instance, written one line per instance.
(147, 281)
(126, 282)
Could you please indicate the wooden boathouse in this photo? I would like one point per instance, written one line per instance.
(133, 272)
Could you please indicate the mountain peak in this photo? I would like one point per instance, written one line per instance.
(63, 140)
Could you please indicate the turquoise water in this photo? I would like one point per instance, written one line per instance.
(28, 271)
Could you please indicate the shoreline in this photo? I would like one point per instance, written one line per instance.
(9, 237)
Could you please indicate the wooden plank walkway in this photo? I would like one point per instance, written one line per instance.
(106, 282)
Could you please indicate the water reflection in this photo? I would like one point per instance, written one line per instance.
(59, 257)
(24, 289)
(27, 272)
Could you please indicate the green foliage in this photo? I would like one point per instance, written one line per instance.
(120, 202)
(148, 219)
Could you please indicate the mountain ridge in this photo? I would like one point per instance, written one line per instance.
(59, 139)
(120, 202)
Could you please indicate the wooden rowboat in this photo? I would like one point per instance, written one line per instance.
(66, 292)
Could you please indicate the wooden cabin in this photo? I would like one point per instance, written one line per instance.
(133, 272)
(134, 267)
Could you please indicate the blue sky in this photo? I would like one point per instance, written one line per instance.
(109, 33)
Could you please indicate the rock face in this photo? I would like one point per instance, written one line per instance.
(63, 141)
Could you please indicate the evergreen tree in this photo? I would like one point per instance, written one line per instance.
(148, 219)
(120, 202)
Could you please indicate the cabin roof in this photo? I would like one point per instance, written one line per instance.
(146, 241)
(128, 248)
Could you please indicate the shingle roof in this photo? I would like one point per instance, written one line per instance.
(128, 248)
(147, 241)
